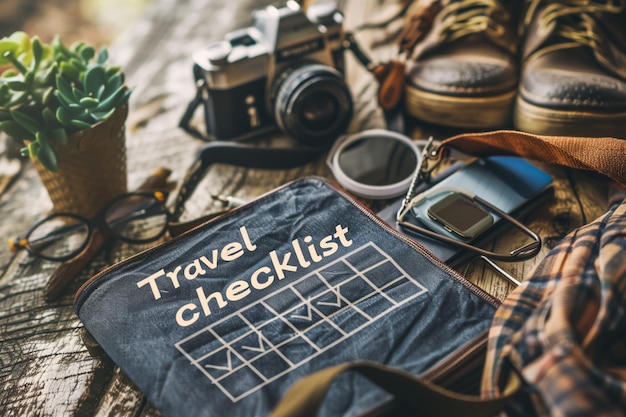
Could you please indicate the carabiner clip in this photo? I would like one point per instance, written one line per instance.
(432, 155)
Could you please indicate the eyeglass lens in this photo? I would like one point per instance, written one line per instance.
(59, 236)
(137, 218)
(378, 161)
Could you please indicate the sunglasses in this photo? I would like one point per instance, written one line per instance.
(376, 163)
(138, 217)
(413, 204)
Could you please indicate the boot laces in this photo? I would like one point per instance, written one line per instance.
(465, 17)
(573, 21)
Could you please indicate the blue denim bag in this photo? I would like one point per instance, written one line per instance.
(224, 318)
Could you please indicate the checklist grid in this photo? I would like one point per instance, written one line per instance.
(285, 329)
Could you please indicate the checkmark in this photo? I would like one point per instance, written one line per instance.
(260, 348)
(336, 303)
(227, 368)
(309, 312)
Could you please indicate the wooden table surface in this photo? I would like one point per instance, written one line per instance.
(45, 368)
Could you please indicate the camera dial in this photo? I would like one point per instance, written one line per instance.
(217, 53)
(324, 13)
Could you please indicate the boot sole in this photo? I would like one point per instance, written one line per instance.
(455, 111)
(544, 121)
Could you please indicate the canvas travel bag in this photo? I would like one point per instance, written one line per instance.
(568, 357)
(223, 319)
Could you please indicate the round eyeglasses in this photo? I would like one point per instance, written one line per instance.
(138, 217)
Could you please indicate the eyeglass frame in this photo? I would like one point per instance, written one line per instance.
(96, 222)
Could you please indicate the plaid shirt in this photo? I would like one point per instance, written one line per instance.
(564, 329)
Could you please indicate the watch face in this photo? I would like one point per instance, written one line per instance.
(461, 215)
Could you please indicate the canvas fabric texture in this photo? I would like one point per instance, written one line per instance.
(223, 319)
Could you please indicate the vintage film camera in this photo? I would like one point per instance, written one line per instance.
(285, 70)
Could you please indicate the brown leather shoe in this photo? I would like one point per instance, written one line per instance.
(573, 78)
(464, 73)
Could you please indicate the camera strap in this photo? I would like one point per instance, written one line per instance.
(250, 156)
(242, 155)
(202, 94)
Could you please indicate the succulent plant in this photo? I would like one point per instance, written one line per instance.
(50, 91)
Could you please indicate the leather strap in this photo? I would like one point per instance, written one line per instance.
(606, 156)
(305, 397)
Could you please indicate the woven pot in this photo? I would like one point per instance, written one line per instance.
(92, 168)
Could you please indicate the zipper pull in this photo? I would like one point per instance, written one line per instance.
(390, 76)
(228, 201)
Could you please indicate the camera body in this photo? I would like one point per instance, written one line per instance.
(285, 70)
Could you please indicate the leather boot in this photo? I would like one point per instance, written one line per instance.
(573, 78)
(464, 73)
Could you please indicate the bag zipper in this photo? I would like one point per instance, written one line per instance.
(371, 215)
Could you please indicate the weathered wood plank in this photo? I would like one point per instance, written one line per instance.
(121, 398)
(44, 368)
(577, 196)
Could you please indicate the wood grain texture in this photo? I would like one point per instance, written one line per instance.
(45, 369)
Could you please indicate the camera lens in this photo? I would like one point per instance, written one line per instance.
(319, 110)
(312, 103)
